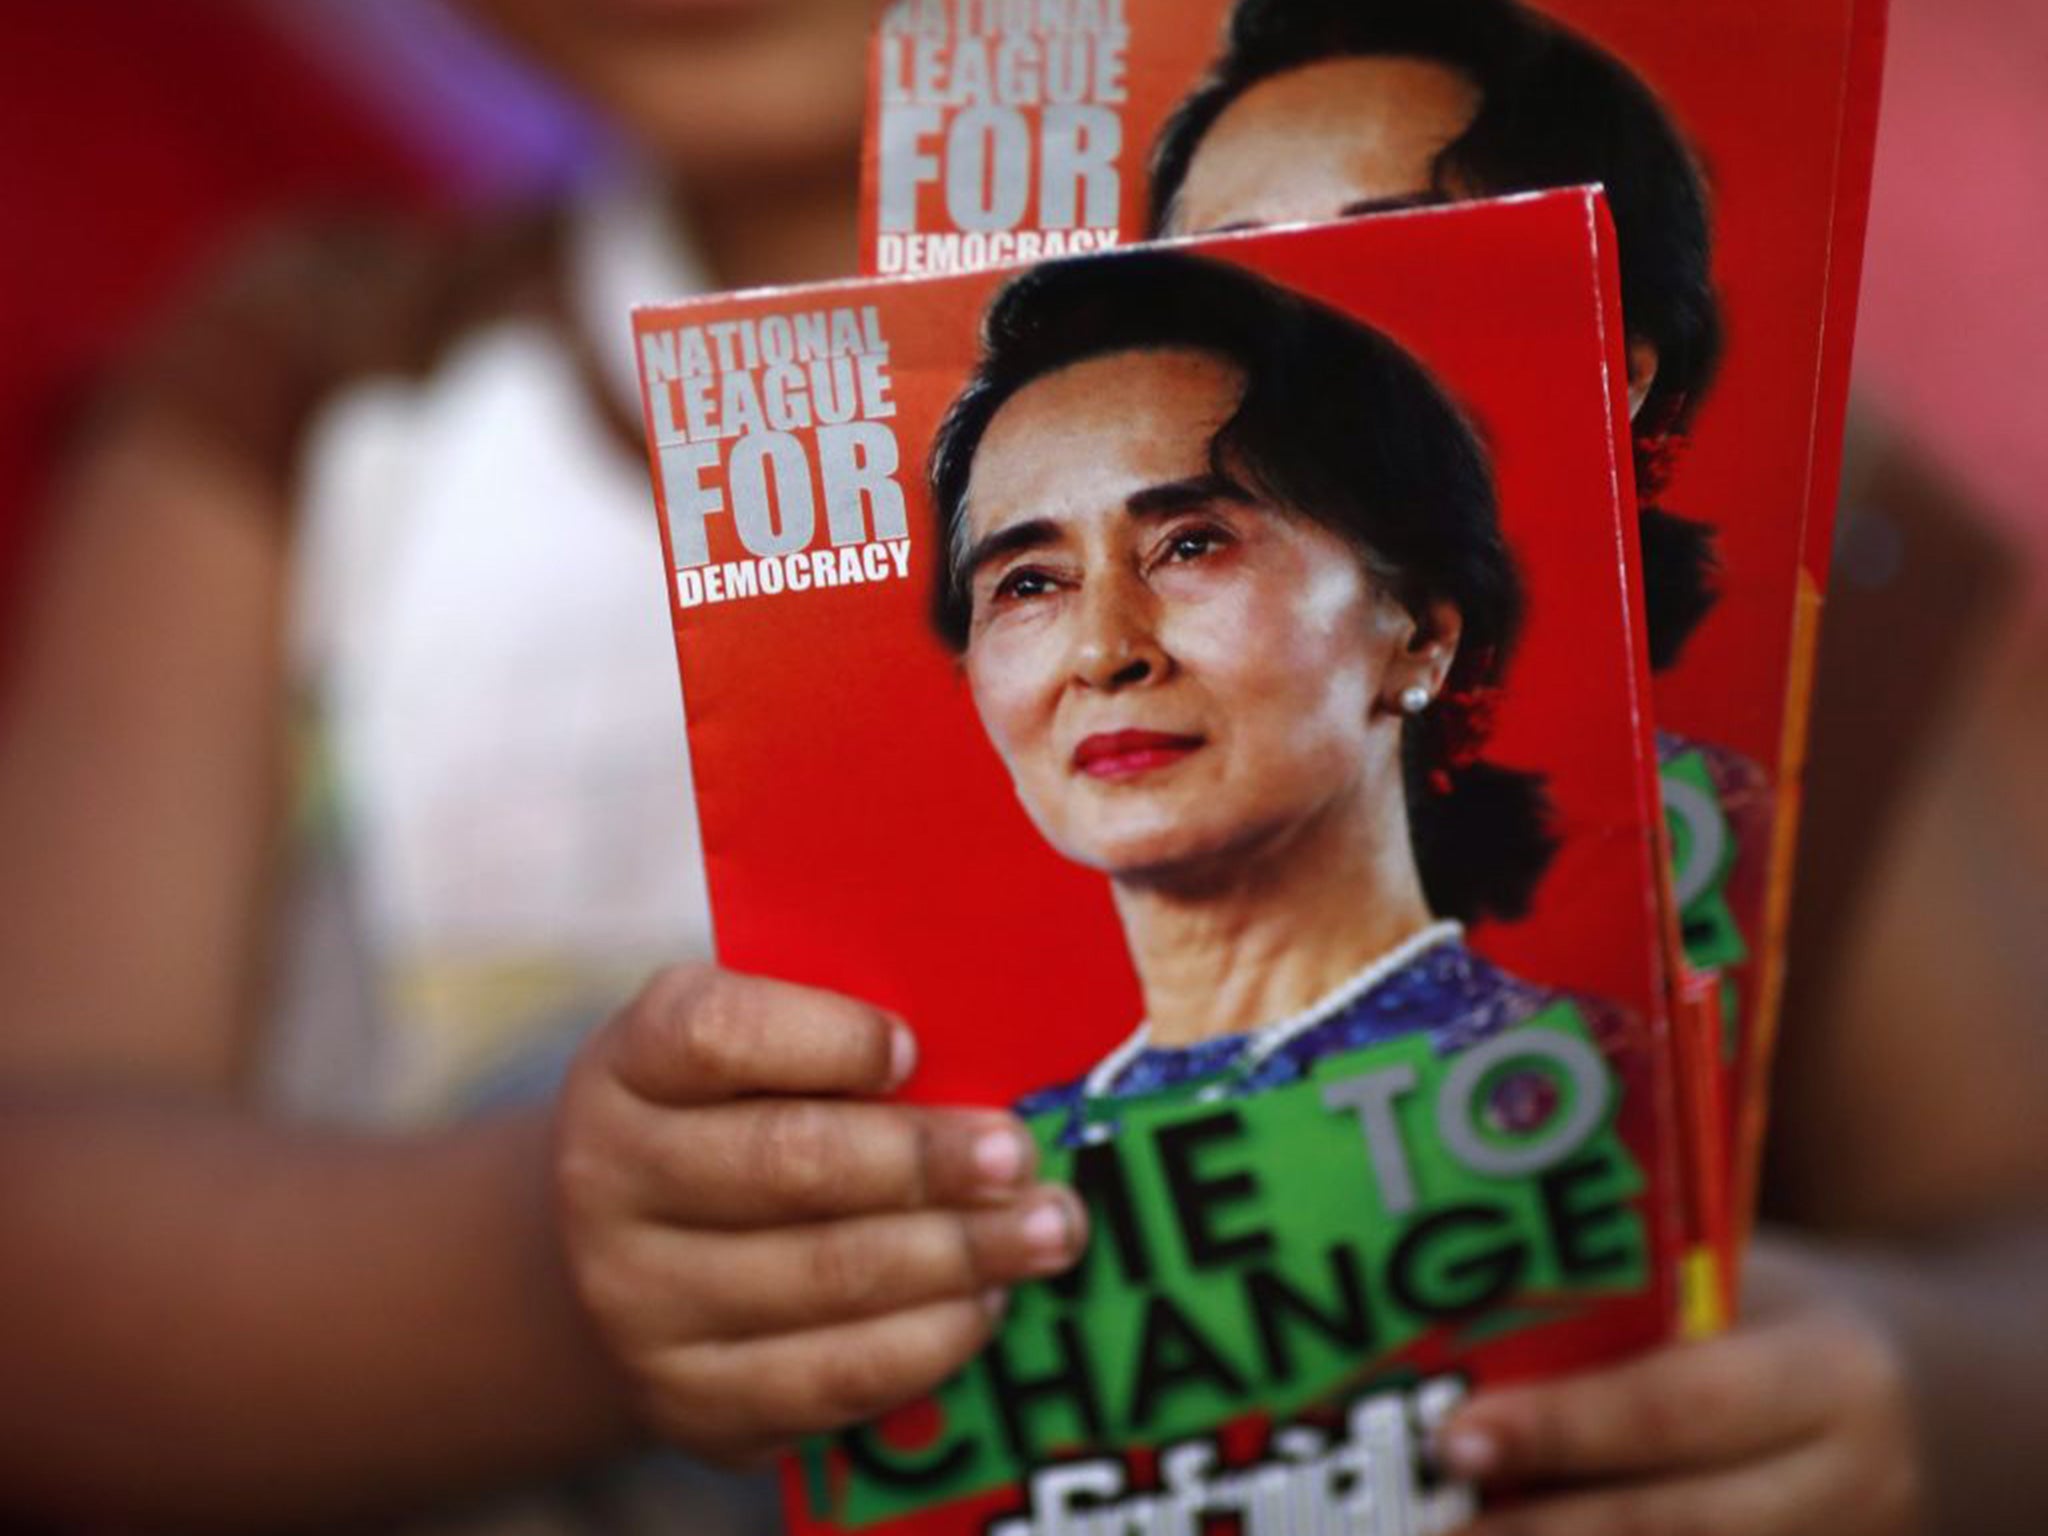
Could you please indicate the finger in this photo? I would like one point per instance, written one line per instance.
(1798, 1494)
(696, 1035)
(771, 1162)
(761, 1393)
(1693, 1405)
(1774, 1284)
(747, 1285)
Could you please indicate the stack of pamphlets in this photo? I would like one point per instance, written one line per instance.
(1275, 628)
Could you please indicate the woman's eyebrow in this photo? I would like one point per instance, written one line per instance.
(1034, 533)
(1399, 203)
(1162, 500)
(1178, 495)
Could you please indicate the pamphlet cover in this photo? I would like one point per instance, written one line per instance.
(1734, 141)
(1201, 688)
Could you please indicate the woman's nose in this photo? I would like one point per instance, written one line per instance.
(1118, 642)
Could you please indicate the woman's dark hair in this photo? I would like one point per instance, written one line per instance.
(1555, 110)
(1341, 425)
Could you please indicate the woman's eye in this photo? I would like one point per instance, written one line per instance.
(1194, 543)
(1025, 581)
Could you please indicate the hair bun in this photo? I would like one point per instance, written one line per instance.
(1483, 841)
(1680, 581)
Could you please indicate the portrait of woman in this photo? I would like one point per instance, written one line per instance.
(1225, 573)
(1322, 109)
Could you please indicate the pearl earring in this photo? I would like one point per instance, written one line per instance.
(1416, 699)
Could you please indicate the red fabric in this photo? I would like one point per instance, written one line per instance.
(142, 134)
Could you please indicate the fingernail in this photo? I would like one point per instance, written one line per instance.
(1000, 1157)
(995, 1302)
(1469, 1453)
(902, 1054)
(1049, 1233)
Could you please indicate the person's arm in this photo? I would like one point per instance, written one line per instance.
(141, 725)
(196, 1301)
(214, 1322)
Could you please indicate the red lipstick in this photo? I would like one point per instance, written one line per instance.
(1126, 754)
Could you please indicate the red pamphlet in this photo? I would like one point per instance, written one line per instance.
(1202, 688)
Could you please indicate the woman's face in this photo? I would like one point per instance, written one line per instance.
(1337, 137)
(1174, 671)
(714, 88)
